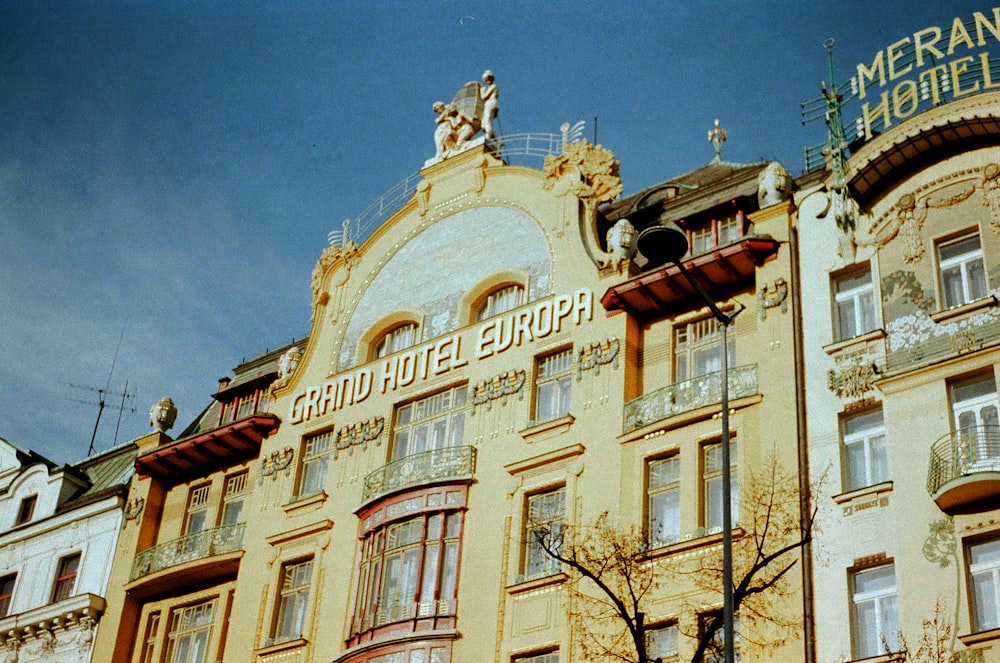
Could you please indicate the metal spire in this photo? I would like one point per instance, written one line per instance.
(717, 136)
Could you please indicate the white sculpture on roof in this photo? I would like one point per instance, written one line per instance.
(474, 108)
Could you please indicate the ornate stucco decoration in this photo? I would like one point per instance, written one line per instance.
(287, 364)
(589, 172)
(595, 355)
(774, 184)
(499, 387)
(275, 462)
(772, 295)
(909, 287)
(853, 379)
(342, 260)
(134, 507)
(162, 415)
(475, 106)
(991, 194)
(359, 435)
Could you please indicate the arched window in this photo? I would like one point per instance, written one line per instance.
(396, 339)
(500, 301)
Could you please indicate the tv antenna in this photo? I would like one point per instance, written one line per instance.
(127, 399)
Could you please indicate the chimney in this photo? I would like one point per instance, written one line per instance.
(224, 382)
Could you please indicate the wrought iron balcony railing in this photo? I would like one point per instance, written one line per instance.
(688, 395)
(963, 452)
(436, 465)
(215, 541)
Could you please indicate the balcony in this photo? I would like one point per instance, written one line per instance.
(190, 548)
(688, 395)
(438, 465)
(965, 468)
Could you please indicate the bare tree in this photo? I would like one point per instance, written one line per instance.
(615, 573)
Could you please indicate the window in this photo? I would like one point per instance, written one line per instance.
(500, 301)
(963, 277)
(545, 522)
(315, 456)
(190, 632)
(716, 233)
(712, 471)
(663, 480)
(148, 654)
(431, 423)
(875, 611)
(553, 382)
(984, 572)
(293, 600)
(697, 350)
(66, 577)
(243, 406)
(26, 510)
(975, 407)
(6, 593)
(549, 657)
(409, 569)
(865, 459)
(232, 501)
(396, 339)
(715, 653)
(661, 643)
(197, 511)
(854, 302)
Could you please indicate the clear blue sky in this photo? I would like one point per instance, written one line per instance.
(169, 170)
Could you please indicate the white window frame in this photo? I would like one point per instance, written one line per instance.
(234, 498)
(662, 642)
(865, 450)
(544, 518)
(198, 509)
(712, 472)
(316, 450)
(431, 423)
(501, 300)
(190, 633)
(663, 501)
(696, 349)
(874, 612)
(963, 275)
(983, 563)
(854, 303)
(293, 600)
(397, 339)
(553, 385)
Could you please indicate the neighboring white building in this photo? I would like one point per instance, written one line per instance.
(58, 530)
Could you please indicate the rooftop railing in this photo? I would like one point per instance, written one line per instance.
(436, 465)
(688, 395)
(963, 452)
(208, 543)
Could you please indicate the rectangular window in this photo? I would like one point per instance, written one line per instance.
(963, 276)
(293, 600)
(431, 423)
(233, 499)
(26, 510)
(854, 301)
(984, 573)
(151, 641)
(315, 457)
(6, 593)
(197, 510)
(697, 350)
(664, 505)
(875, 611)
(661, 643)
(865, 459)
(702, 240)
(548, 657)
(190, 633)
(729, 229)
(66, 577)
(712, 471)
(553, 382)
(975, 408)
(545, 523)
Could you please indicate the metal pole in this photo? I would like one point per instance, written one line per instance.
(729, 645)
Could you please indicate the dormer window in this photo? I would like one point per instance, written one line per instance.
(396, 339)
(26, 510)
(241, 406)
(716, 233)
(501, 300)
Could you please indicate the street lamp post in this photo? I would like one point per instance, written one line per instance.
(661, 244)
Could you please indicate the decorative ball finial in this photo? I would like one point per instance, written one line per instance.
(717, 136)
(163, 415)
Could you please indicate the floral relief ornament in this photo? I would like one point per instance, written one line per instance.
(991, 194)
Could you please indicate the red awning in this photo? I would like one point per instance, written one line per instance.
(719, 272)
(200, 455)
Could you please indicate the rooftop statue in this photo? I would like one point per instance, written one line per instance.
(474, 108)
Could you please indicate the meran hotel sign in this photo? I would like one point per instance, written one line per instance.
(442, 355)
(924, 65)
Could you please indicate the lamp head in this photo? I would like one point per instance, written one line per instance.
(661, 244)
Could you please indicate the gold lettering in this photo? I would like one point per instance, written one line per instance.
(958, 35)
(362, 385)
(329, 398)
(407, 368)
(905, 94)
(441, 355)
(584, 307)
(894, 53)
(982, 22)
(959, 67)
(295, 411)
(388, 379)
(988, 83)
(312, 403)
(919, 46)
(456, 357)
(881, 109)
(563, 307)
(522, 327)
(541, 326)
(929, 81)
(504, 336)
(484, 341)
(878, 67)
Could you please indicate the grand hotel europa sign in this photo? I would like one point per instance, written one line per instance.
(935, 64)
